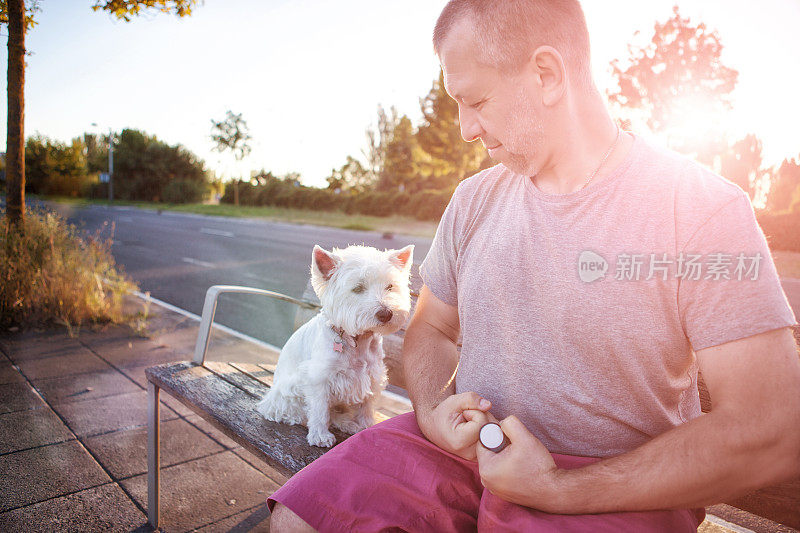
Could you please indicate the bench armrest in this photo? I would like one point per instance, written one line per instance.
(210, 307)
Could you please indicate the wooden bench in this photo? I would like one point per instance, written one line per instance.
(225, 395)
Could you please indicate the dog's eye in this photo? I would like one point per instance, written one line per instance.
(389, 287)
(358, 289)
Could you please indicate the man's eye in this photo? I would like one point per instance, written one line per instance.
(358, 289)
(389, 287)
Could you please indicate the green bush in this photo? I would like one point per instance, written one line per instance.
(56, 168)
(184, 192)
(428, 205)
(424, 205)
(248, 194)
(50, 274)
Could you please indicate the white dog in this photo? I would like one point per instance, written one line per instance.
(331, 369)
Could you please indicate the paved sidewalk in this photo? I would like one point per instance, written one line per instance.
(73, 449)
(73, 433)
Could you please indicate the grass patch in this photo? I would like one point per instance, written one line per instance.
(49, 275)
(358, 227)
(393, 224)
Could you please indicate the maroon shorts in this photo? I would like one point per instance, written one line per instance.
(391, 478)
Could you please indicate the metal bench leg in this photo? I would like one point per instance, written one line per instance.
(153, 454)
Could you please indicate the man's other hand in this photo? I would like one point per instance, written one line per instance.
(454, 424)
(523, 472)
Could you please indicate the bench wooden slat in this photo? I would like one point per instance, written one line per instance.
(237, 378)
(228, 409)
(385, 412)
(259, 374)
(778, 503)
(255, 372)
(269, 367)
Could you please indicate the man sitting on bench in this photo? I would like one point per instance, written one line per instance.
(591, 273)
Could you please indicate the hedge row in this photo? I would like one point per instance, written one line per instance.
(781, 229)
(425, 205)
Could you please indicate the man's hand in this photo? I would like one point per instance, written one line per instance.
(455, 423)
(523, 472)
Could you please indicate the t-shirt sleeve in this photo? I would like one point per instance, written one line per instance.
(737, 292)
(438, 270)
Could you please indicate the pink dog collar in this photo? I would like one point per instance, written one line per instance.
(342, 339)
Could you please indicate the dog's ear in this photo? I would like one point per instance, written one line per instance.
(323, 263)
(402, 258)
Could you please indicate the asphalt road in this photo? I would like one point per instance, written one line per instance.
(176, 257)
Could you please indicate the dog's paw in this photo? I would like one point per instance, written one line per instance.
(267, 408)
(322, 438)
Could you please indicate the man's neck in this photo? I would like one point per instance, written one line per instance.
(578, 152)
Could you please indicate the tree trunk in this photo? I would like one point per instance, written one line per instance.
(15, 152)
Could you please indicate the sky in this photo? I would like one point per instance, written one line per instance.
(308, 75)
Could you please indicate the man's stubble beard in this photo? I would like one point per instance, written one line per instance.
(527, 141)
(525, 160)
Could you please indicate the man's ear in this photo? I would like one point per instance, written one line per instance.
(402, 258)
(323, 263)
(548, 65)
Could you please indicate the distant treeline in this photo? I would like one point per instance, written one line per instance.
(145, 168)
(781, 229)
(269, 190)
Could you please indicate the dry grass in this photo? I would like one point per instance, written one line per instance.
(50, 274)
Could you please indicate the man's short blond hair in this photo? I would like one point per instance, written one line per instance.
(508, 31)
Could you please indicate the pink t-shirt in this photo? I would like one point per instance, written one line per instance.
(580, 313)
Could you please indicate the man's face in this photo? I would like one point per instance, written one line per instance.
(497, 108)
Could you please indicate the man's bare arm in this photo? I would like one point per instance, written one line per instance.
(430, 359)
(749, 440)
(430, 356)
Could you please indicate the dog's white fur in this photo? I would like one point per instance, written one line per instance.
(318, 386)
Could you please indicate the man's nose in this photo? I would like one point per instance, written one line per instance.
(470, 127)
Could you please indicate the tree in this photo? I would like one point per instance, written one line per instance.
(680, 85)
(53, 167)
(146, 166)
(13, 13)
(445, 159)
(741, 164)
(400, 169)
(352, 176)
(784, 186)
(31, 7)
(377, 141)
(127, 9)
(231, 134)
(15, 17)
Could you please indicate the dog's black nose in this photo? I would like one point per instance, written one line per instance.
(384, 315)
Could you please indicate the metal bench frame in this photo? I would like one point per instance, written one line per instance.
(201, 348)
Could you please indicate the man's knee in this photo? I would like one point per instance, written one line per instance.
(284, 519)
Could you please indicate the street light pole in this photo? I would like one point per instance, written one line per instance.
(110, 166)
(110, 163)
